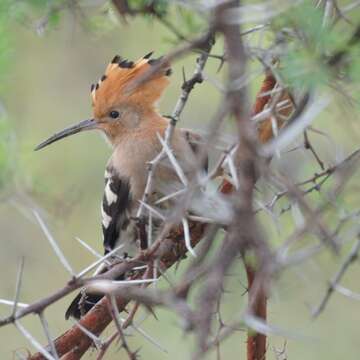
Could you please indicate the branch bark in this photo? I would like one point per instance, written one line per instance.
(246, 162)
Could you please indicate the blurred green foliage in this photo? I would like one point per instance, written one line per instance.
(311, 44)
(159, 6)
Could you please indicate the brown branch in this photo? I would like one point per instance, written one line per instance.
(256, 343)
(242, 234)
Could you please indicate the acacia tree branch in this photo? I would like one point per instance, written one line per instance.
(242, 234)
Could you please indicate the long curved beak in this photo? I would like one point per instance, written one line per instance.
(71, 130)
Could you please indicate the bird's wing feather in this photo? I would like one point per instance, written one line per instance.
(195, 141)
(116, 206)
(115, 210)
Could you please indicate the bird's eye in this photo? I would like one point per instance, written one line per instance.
(114, 114)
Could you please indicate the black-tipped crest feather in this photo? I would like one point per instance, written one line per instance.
(155, 61)
(126, 64)
(148, 56)
(116, 59)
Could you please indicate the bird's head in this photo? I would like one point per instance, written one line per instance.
(122, 99)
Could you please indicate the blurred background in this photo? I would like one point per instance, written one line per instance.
(46, 68)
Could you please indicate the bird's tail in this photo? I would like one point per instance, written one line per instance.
(82, 304)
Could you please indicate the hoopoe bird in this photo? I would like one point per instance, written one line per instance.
(129, 118)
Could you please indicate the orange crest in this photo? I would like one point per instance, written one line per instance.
(125, 82)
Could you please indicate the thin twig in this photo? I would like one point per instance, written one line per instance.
(353, 255)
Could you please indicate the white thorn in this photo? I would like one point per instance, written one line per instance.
(18, 285)
(170, 196)
(109, 286)
(233, 172)
(202, 219)
(12, 303)
(88, 247)
(187, 237)
(150, 230)
(33, 341)
(94, 264)
(146, 336)
(97, 341)
(53, 244)
(153, 210)
(174, 162)
(48, 335)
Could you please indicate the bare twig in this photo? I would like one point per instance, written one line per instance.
(353, 255)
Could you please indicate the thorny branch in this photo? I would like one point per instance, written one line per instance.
(242, 235)
(243, 160)
(351, 258)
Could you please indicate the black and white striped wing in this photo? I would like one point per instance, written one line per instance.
(115, 210)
